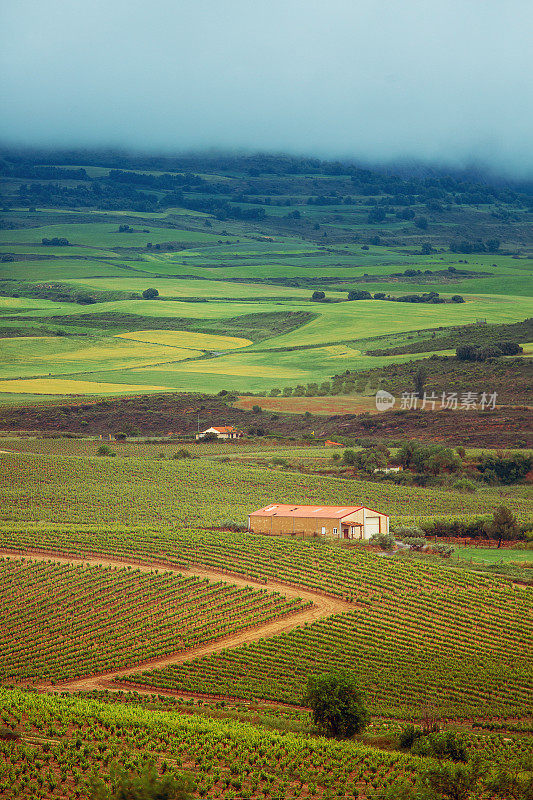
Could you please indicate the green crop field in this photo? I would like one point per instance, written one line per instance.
(236, 266)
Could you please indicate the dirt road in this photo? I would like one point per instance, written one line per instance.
(322, 607)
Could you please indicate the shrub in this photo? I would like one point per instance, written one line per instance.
(383, 540)
(443, 744)
(147, 786)
(453, 781)
(408, 736)
(84, 298)
(464, 485)
(182, 453)
(104, 450)
(8, 734)
(150, 294)
(442, 549)
(409, 531)
(415, 543)
(318, 296)
(233, 525)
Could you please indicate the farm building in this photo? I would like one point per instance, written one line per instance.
(336, 522)
(224, 432)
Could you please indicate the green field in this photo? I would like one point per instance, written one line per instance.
(494, 555)
(212, 269)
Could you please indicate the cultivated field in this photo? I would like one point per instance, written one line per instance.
(142, 624)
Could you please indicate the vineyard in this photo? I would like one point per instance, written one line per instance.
(64, 744)
(62, 622)
(415, 636)
(198, 492)
(324, 566)
(417, 631)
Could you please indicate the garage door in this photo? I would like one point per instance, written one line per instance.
(371, 526)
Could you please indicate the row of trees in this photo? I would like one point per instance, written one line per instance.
(476, 352)
(319, 296)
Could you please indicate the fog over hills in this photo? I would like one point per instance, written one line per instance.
(445, 82)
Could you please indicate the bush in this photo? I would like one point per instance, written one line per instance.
(182, 454)
(444, 744)
(84, 299)
(464, 485)
(383, 540)
(147, 786)
(452, 781)
(318, 296)
(409, 531)
(150, 294)
(408, 736)
(360, 294)
(415, 542)
(104, 450)
(233, 525)
(442, 549)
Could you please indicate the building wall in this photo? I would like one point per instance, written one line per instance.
(331, 528)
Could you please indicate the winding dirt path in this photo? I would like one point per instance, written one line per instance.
(323, 606)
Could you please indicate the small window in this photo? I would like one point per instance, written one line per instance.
(335, 530)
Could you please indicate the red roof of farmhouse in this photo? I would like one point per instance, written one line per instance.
(225, 429)
(335, 512)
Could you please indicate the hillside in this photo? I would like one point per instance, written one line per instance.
(146, 298)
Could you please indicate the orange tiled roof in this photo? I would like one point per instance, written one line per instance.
(321, 512)
(225, 429)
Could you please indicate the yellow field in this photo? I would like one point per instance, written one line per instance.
(224, 366)
(137, 355)
(340, 351)
(60, 386)
(35, 356)
(198, 341)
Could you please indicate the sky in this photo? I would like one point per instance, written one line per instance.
(381, 80)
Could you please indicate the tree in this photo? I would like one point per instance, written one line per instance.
(422, 223)
(359, 294)
(337, 704)
(84, 298)
(503, 525)
(147, 786)
(517, 785)
(507, 470)
(150, 294)
(317, 296)
(419, 381)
